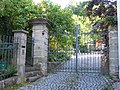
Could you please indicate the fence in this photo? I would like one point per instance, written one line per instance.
(29, 51)
(8, 57)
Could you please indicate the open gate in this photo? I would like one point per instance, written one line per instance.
(77, 50)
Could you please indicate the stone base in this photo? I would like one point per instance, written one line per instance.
(42, 67)
(52, 66)
(105, 68)
(114, 71)
(21, 73)
(114, 74)
(41, 62)
(8, 82)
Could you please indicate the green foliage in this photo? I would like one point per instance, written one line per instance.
(83, 48)
(106, 88)
(104, 9)
(14, 15)
(3, 65)
(18, 13)
(16, 86)
(86, 25)
(8, 70)
(78, 9)
(59, 57)
(111, 20)
(59, 17)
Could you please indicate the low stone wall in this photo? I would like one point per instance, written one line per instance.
(51, 66)
(8, 82)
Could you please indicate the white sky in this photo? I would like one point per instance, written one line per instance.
(63, 3)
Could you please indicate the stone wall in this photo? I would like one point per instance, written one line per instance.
(8, 82)
(113, 51)
(52, 66)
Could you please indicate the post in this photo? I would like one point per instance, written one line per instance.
(20, 37)
(113, 51)
(76, 46)
(118, 17)
(40, 36)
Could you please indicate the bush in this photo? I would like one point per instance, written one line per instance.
(8, 71)
(58, 57)
(83, 48)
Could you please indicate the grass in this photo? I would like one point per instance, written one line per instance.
(15, 87)
(106, 88)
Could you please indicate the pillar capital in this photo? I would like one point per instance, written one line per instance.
(20, 31)
(39, 21)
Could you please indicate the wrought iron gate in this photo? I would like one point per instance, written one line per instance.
(29, 51)
(77, 50)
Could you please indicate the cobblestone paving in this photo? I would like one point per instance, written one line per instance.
(116, 86)
(68, 81)
(73, 81)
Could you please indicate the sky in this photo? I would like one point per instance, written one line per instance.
(63, 3)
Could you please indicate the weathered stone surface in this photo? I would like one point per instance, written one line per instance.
(113, 41)
(8, 82)
(32, 73)
(113, 50)
(32, 79)
(40, 34)
(35, 68)
(51, 66)
(21, 53)
(21, 73)
(2, 84)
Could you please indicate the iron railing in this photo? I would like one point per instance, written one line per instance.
(29, 51)
(8, 56)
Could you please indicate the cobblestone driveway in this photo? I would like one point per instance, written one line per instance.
(70, 81)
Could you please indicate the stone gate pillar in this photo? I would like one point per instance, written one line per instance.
(113, 51)
(40, 36)
(20, 37)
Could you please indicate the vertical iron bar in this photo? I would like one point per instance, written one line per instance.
(76, 47)
(32, 51)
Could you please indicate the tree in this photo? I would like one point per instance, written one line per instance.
(14, 15)
(59, 17)
(104, 9)
(62, 25)
(79, 8)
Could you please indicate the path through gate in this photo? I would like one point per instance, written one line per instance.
(77, 50)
